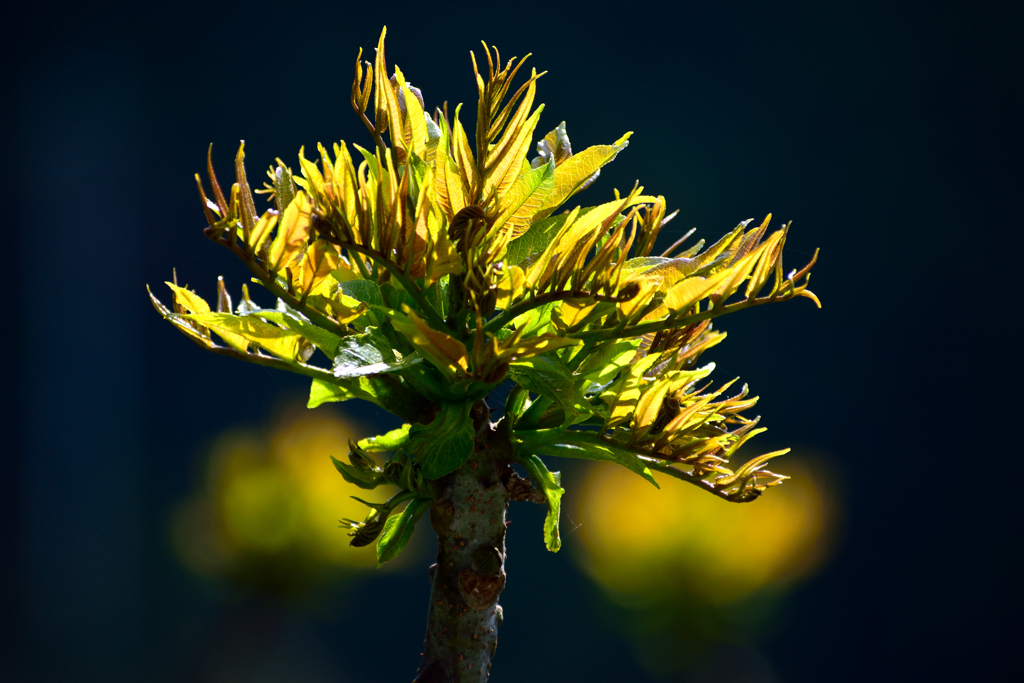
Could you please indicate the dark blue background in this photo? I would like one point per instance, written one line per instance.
(889, 133)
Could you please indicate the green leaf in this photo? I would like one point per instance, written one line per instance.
(319, 337)
(642, 263)
(321, 392)
(371, 162)
(362, 290)
(391, 441)
(581, 445)
(534, 240)
(394, 395)
(357, 355)
(536, 321)
(579, 169)
(282, 343)
(549, 376)
(437, 296)
(446, 443)
(387, 391)
(397, 296)
(524, 198)
(398, 530)
(446, 353)
(603, 363)
(551, 484)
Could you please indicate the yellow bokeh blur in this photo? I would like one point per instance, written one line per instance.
(266, 512)
(639, 542)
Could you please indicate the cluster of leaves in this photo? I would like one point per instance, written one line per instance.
(434, 270)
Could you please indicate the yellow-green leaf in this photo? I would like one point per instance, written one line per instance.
(292, 233)
(445, 352)
(571, 313)
(578, 169)
(524, 199)
(284, 344)
(188, 300)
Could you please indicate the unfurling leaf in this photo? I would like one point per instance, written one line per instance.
(363, 477)
(550, 483)
(398, 530)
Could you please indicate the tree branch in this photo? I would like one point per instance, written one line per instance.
(521, 488)
(272, 362)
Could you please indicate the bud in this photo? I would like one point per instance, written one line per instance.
(223, 298)
(362, 472)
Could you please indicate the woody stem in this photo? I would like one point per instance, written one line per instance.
(469, 518)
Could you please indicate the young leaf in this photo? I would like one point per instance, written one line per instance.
(364, 479)
(292, 233)
(282, 343)
(200, 336)
(551, 484)
(319, 337)
(553, 147)
(446, 443)
(578, 169)
(524, 199)
(358, 355)
(365, 291)
(398, 530)
(564, 443)
(385, 390)
(391, 441)
(445, 352)
(603, 363)
(534, 240)
(188, 300)
(548, 376)
(321, 392)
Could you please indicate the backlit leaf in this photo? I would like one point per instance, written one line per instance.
(280, 342)
(548, 376)
(391, 441)
(524, 199)
(292, 233)
(398, 530)
(550, 483)
(445, 352)
(319, 337)
(578, 169)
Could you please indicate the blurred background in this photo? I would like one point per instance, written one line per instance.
(172, 516)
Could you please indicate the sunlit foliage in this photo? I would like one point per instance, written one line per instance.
(443, 261)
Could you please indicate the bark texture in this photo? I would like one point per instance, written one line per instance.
(469, 518)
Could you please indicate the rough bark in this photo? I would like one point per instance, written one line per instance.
(466, 581)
